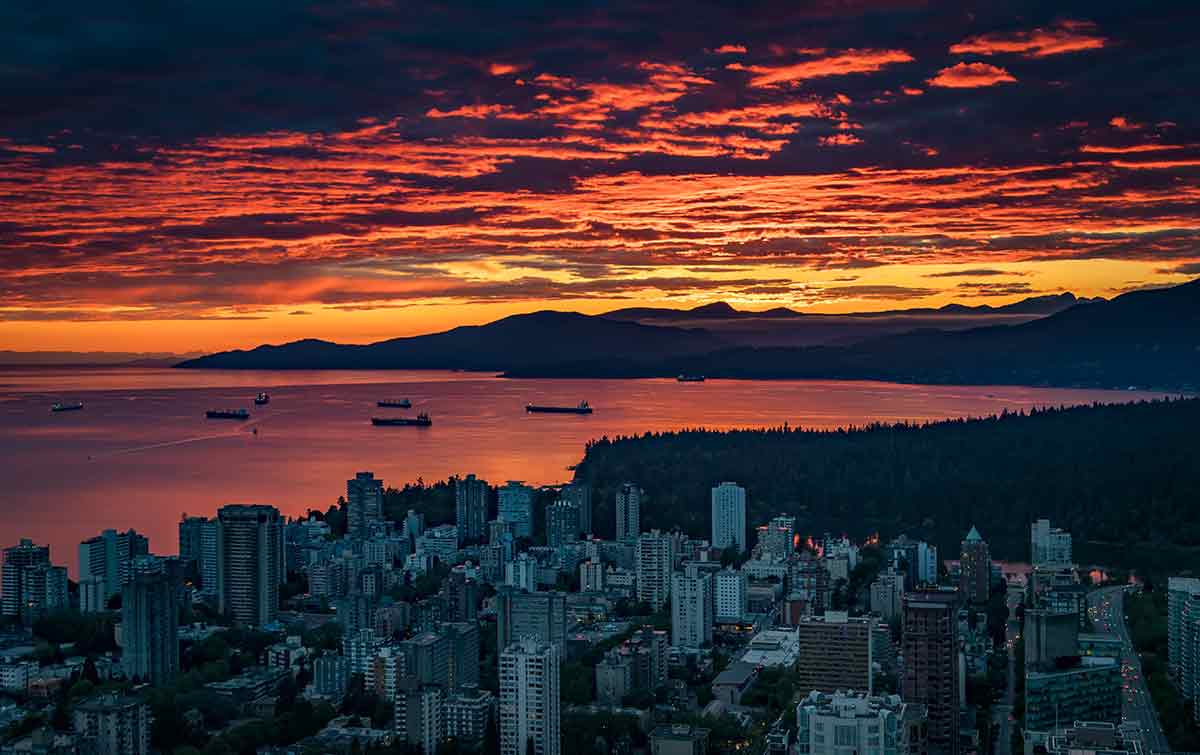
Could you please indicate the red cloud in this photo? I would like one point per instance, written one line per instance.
(730, 49)
(848, 62)
(1121, 123)
(844, 139)
(503, 69)
(1064, 37)
(971, 75)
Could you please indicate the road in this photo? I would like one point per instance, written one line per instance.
(1002, 716)
(1107, 609)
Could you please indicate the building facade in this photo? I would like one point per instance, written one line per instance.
(529, 712)
(931, 669)
(515, 506)
(249, 563)
(364, 504)
(629, 511)
(691, 609)
(975, 569)
(655, 558)
(729, 516)
(149, 629)
(470, 507)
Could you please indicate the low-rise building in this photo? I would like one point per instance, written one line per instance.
(774, 647)
(114, 725)
(678, 739)
(732, 683)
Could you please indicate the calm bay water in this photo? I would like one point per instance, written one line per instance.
(141, 453)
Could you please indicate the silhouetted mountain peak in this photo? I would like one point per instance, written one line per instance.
(716, 309)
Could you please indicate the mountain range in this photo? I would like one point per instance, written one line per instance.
(1142, 338)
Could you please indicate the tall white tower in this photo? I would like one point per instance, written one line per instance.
(529, 699)
(729, 516)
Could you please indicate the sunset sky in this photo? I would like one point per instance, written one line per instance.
(208, 175)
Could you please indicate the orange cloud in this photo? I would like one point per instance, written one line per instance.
(1064, 37)
(1121, 123)
(842, 64)
(1130, 149)
(503, 69)
(843, 139)
(730, 49)
(971, 75)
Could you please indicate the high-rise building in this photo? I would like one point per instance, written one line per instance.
(842, 722)
(835, 652)
(149, 629)
(562, 523)
(114, 725)
(629, 511)
(729, 516)
(580, 494)
(515, 506)
(1049, 545)
(614, 677)
(887, 593)
(43, 590)
(655, 559)
(427, 657)
(331, 676)
(521, 572)
(730, 586)
(529, 699)
(1084, 688)
(109, 555)
(462, 594)
(1183, 635)
(359, 649)
(541, 616)
(691, 609)
(463, 642)
(249, 563)
(16, 558)
(777, 537)
(1049, 636)
(591, 576)
(419, 716)
(467, 711)
(975, 569)
(198, 551)
(364, 504)
(931, 672)
(915, 559)
(470, 507)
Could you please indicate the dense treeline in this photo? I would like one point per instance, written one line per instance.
(1113, 474)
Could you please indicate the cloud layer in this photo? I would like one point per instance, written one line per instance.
(225, 160)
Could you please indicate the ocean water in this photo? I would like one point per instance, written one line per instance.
(141, 453)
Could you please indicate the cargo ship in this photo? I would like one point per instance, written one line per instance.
(421, 420)
(582, 408)
(394, 403)
(262, 399)
(227, 414)
(690, 378)
(66, 406)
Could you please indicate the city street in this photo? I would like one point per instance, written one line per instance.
(1108, 615)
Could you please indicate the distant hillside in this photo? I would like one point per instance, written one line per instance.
(1119, 474)
(790, 328)
(540, 338)
(1034, 305)
(1143, 338)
